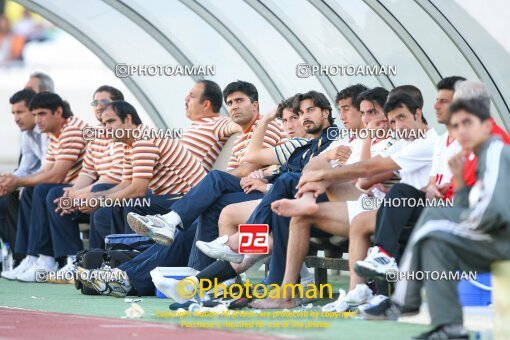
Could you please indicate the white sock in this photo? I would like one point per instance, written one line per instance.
(70, 260)
(172, 218)
(169, 286)
(47, 260)
(305, 273)
(31, 258)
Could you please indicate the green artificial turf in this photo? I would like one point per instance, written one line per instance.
(65, 299)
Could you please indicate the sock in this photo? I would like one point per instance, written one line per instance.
(221, 270)
(71, 259)
(173, 218)
(305, 273)
(31, 258)
(48, 260)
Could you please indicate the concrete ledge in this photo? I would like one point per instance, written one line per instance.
(501, 299)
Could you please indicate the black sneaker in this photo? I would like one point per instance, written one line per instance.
(445, 332)
(387, 310)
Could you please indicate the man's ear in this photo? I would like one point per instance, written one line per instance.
(129, 119)
(487, 126)
(59, 111)
(325, 114)
(207, 105)
(418, 116)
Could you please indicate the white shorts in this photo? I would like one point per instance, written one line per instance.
(354, 208)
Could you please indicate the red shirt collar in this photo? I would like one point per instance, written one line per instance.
(254, 121)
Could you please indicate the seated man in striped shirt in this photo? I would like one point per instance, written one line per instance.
(63, 162)
(208, 198)
(209, 130)
(101, 167)
(315, 114)
(138, 269)
(160, 170)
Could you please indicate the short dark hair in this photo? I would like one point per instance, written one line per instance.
(411, 91)
(241, 86)
(377, 94)
(352, 92)
(45, 82)
(25, 95)
(285, 104)
(123, 109)
(212, 93)
(474, 106)
(401, 100)
(50, 101)
(448, 83)
(115, 94)
(318, 99)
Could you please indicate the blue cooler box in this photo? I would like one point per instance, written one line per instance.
(177, 273)
(478, 293)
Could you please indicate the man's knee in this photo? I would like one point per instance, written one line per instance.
(432, 245)
(401, 190)
(302, 221)
(100, 187)
(229, 214)
(53, 194)
(41, 190)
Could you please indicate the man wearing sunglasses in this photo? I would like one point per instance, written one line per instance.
(55, 233)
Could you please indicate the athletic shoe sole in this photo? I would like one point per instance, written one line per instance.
(365, 270)
(377, 317)
(8, 278)
(58, 281)
(138, 225)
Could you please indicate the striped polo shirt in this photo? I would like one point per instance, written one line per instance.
(274, 136)
(69, 145)
(166, 162)
(103, 158)
(206, 137)
(285, 149)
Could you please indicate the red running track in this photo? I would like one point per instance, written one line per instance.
(27, 324)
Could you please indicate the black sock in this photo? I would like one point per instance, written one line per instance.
(220, 270)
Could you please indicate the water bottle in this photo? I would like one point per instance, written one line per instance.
(7, 261)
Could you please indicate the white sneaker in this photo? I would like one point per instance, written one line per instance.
(217, 249)
(65, 274)
(376, 264)
(306, 276)
(340, 305)
(359, 295)
(374, 301)
(170, 287)
(25, 264)
(38, 271)
(153, 226)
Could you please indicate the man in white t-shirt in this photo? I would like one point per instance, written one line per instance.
(394, 224)
(411, 158)
(370, 106)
